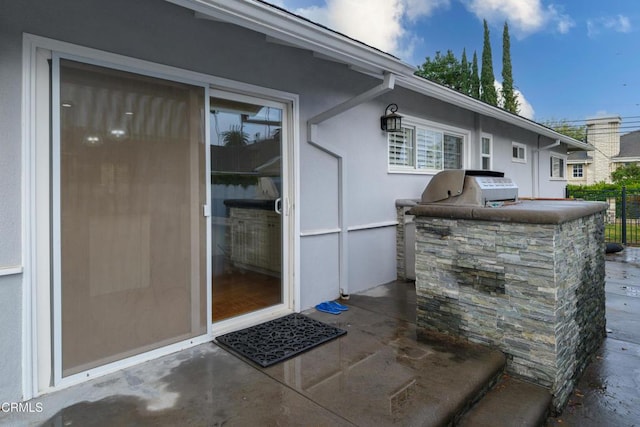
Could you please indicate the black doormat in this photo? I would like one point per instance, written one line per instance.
(277, 340)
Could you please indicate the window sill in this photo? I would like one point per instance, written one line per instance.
(413, 171)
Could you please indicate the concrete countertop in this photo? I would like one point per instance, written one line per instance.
(406, 202)
(525, 211)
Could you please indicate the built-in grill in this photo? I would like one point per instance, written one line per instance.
(470, 188)
(501, 276)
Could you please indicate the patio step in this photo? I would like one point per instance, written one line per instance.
(510, 403)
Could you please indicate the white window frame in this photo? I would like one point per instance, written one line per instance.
(488, 155)
(563, 167)
(413, 123)
(519, 159)
(574, 169)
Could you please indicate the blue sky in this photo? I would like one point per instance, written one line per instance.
(572, 59)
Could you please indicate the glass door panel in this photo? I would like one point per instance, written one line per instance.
(132, 233)
(246, 186)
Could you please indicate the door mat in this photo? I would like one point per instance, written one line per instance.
(277, 340)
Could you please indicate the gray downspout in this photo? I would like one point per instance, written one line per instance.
(312, 138)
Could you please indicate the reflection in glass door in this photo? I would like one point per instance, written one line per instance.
(246, 197)
(131, 185)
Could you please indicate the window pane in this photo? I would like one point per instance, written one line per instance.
(557, 166)
(452, 152)
(401, 148)
(429, 149)
(486, 146)
(577, 171)
(486, 163)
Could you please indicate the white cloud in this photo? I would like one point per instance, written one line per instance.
(379, 23)
(419, 8)
(563, 22)
(524, 17)
(525, 109)
(619, 24)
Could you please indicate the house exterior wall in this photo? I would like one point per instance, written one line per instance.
(604, 134)
(586, 173)
(533, 176)
(166, 34)
(10, 338)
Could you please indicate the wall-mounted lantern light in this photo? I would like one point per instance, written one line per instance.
(391, 122)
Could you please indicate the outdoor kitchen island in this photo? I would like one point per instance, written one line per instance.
(526, 277)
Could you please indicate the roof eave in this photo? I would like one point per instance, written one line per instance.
(296, 31)
(292, 30)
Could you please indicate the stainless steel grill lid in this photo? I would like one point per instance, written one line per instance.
(470, 188)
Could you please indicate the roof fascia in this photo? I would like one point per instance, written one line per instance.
(293, 31)
(629, 159)
(451, 96)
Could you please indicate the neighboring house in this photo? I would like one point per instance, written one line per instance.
(118, 147)
(596, 166)
(629, 149)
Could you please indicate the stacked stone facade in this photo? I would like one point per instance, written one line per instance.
(400, 255)
(535, 291)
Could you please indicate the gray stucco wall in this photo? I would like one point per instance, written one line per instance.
(10, 339)
(10, 189)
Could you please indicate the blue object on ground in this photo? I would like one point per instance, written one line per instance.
(327, 308)
(338, 306)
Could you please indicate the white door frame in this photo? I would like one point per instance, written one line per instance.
(38, 376)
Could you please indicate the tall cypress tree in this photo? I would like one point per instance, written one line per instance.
(475, 79)
(508, 93)
(465, 74)
(488, 90)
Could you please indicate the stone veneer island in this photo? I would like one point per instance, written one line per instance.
(526, 278)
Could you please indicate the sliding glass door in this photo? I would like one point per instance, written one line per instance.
(129, 190)
(247, 204)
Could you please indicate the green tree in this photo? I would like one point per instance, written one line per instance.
(465, 74)
(235, 137)
(475, 80)
(565, 128)
(626, 175)
(443, 69)
(510, 101)
(488, 92)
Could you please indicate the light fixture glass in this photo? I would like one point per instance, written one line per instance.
(117, 133)
(92, 140)
(391, 122)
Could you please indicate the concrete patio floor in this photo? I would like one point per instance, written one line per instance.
(380, 373)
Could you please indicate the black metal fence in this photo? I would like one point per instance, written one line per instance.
(623, 216)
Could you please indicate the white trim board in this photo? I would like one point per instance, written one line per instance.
(10, 271)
